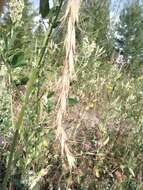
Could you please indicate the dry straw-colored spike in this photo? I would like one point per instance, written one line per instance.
(70, 18)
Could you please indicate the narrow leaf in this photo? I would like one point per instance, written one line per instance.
(44, 8)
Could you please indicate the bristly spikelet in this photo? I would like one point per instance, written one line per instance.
(71, 18)
(71, 15)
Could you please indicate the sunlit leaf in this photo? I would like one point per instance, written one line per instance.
(96, 172)
(132, 172)
(106, 141)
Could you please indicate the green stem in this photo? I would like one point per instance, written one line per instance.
(25, 103)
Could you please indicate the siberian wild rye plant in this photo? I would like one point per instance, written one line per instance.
(71, 17)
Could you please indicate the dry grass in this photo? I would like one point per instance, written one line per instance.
(70, 18)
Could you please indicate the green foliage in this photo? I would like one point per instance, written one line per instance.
(117, 98)
(72, 101)
(18, 60)
(44, 8)
(130, 29)
(95, 17)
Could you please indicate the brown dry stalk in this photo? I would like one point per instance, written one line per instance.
(71, 18)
